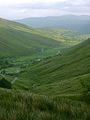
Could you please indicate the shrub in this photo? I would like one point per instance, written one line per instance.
(5, 84)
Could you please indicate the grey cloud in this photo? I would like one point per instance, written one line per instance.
(39, 6)
(58, 5)
(46, 9)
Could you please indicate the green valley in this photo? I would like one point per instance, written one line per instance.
(44, 73)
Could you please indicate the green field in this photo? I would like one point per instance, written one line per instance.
(66, 36)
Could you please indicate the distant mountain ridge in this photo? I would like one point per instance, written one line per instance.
(78, 23)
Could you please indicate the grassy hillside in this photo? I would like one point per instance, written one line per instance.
(78, 23)
(17, 39)
(59, 75)
(21, 105)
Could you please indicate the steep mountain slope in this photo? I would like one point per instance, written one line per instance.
(60, 74)
(17, 39)
(78, 23)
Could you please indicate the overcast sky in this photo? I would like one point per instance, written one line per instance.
(18, 9)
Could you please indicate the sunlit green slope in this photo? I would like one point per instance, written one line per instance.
(17, 39)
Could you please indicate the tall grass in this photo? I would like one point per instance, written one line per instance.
(27, 106)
